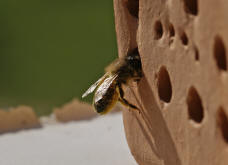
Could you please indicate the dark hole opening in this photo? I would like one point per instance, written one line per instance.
(184, 38)
(220, 53)
(133, 7)
(195, 108)
(158, 30)
(164, 85)
(196, 54)
(191, 6)
(222, 122)
(171, 30)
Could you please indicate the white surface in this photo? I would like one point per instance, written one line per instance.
(100, 141)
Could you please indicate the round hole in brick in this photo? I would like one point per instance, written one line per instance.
(171, 30)
(222, 122)
(164, 85)
(196, 54)
(133, 7)
(220, 53)
(184, 38)
(195, 107)
(191, 6)
(158, 30)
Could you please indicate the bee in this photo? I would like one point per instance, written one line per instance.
(108, 89)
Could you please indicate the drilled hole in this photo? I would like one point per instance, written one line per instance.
(196, 54)
(164, 85)
(133, 7)
(195, 108)
(191, 6)
(220, 53)
(184, 38)
(171, 30)
(158, 30)
(222, 122)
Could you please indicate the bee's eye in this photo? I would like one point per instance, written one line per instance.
(130, 58)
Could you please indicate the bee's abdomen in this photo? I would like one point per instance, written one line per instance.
(104, 101)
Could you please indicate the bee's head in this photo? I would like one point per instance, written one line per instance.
(133, 54)
(133, 59)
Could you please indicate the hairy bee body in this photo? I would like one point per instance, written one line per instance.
(127, 68)
(108, 89)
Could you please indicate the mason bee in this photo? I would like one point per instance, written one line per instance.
(108, 89)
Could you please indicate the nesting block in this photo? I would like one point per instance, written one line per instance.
(183, 95)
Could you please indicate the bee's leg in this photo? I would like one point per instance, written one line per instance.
(127, 104)
(124, 101)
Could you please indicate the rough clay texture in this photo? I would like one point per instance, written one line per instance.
(22, 117)
(77, 110)
(74, 110)
(183, 95)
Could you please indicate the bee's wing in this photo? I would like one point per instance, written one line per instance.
(104, 87)
(94, 86)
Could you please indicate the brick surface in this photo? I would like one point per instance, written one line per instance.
(183, 95)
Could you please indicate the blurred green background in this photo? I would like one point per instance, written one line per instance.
(51, 51)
